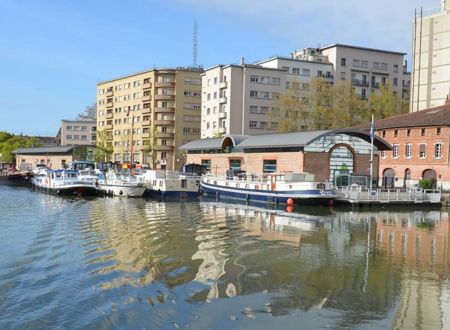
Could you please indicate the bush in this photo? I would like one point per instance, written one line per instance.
(427, 183)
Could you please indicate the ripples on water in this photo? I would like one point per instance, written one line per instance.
(130, 263)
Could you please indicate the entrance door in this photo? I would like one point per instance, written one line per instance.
(388, 178)
(341, 165)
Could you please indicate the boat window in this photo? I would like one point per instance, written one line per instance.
(161, 183)
(183, 183)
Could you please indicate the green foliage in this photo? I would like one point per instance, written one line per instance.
(10, 142)
(326, 106)
(103, 149)
(427, 183)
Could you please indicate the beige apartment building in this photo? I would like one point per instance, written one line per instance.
(77, 132)
(366, 68)
(144, 117)
(431, 58)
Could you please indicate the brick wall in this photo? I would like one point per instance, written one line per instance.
(416, 164)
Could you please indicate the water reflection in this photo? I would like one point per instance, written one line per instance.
(142, 264)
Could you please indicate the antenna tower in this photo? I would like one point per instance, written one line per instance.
(194, 44)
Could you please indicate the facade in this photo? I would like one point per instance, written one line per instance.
(420, 148)
(326, 154)
(431, 59)
(237, 99)
(77, 132)
(55, 157)
(145, 117)
(365, 68)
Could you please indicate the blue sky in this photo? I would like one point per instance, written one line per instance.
(53, 53)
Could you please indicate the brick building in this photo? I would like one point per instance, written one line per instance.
(327, 154)
(420, 148)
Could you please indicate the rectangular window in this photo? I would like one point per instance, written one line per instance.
(438, 150)
(252, 124)
(254, 94)
(395, 151)
(254, 79)
(296, 71)
(269, 166)
(253, 109)
(422, 132)
(395, 133)
(438, 131)
(422, 148)
(343, 62)
(305, 72)
(408, 132)
(207, 164)
(408, 151)
(235, 164)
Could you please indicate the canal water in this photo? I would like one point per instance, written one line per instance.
(138, 264)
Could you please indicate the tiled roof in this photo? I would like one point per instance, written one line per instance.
(438, 116)
(44, 150)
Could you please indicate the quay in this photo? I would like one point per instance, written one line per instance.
(384, 196)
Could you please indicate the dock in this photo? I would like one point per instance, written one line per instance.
(385, 196)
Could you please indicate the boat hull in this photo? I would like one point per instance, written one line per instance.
(170, 194)
(70, 190)
(122, 191)
(299, 197)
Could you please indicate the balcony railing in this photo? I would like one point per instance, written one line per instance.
(146, 122)
(146, 85)
(222, 130)
(164, 135)
(223, 84)
(165, 84)
(146, 110)
(164, 122)
(162, 110)
(223, 99)
(164, 97)
(222, 115)
(109, 104)
(109, 115)
(109, 93)
(146, 98)
(161, 147)
(359, 82)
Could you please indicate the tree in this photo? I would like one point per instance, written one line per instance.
(385, 103)
(89, 113)
(10, 142)
(103, 149)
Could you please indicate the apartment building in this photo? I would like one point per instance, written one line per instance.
(144, 117)
(365, 68)
(77, 132)
(431, 58)
(239, 99)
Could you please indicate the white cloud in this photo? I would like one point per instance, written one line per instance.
(385, 24)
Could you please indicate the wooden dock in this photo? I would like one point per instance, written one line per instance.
(386, 196)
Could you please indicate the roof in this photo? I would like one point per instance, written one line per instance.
(44, 150)
(241, 66)
(295, 139)
(80, 121)
(438, 116)
(292, 60)
(280, 140)
(199, 69)
(362, 48)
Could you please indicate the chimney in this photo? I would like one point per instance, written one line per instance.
(242, 61)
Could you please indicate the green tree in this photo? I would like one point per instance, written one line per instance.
(385, 103)
(10, 142)
(103, 148)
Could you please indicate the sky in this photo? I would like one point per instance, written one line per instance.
(53, 53)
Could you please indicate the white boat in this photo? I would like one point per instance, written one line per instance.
(169, 184)
(296, 188)
(121, 184)
(63, 182)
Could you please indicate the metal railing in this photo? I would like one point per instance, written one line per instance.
(386, 195)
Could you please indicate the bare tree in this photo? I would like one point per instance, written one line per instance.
(89, 113)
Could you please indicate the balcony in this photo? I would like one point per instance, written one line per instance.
(165, 97)
(165, 84)
(164, 122)
(375, 85)
(222, 115)
(109, 126)
(146, 110)
(146, 98)
(165, 110)
(164, 135)
(109, 115)
(109, 93)
(223, 100)
(359, 82)
(146, 135)
(160, 147)
(222, 130)
(146, 123)
(147, 85)
(223, 84)
(109, 104)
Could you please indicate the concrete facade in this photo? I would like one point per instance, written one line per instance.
(431, 59)
(367, 68)
(77, 132)
(145, 117)
(236, 99)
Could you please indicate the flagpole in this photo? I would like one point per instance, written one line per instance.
(372, 133)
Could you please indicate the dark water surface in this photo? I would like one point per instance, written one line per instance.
(135, 264)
